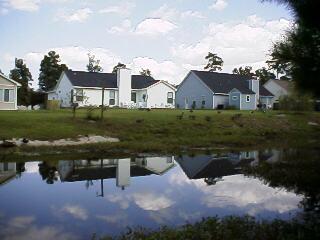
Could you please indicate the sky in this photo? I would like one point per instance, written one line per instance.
(168, 37)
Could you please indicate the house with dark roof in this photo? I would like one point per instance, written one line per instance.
(120, 89)
(211, 90)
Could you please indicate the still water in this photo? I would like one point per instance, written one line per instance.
(76, 199)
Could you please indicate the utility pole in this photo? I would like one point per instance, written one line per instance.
(102, 104)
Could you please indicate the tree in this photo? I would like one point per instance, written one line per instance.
(22, 75)
(300, 48)
(145, 72)
(93, 65)
(264, 75)
(118, 66)
(247, 71)
(50, 71)
(214, 62)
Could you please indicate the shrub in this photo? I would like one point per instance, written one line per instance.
(208, 118)
(295, 102)
(90, 115)
(230, 108)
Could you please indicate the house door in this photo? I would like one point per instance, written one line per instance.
(186, 103)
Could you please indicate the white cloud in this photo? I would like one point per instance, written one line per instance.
(219, 5)
(79, 15)
(172, 14)
(125, 27)
(151, 201)
(123, 8)
(76, 211)
(154, 27)
(23, 5)
(238, 43)
(3, 11)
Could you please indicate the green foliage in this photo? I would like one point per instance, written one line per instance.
(298, 54)
(214, 62)
(247, 71)
(296, 102)
(118, 66)
(90, 114)
(53, 104)
(230, 108)
(264, 75)
(145, 72)
(22, 75)
(93, 65)
(50, 71)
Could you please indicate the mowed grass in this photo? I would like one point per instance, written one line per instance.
(164, 130)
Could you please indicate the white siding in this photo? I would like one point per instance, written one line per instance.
(124, 85)
(275, 89)
(157, 96)
(93, 97)
(62, 92)
(12, 104)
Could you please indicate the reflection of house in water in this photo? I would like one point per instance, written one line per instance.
(7, 171)
(121, 169)
(213, 167)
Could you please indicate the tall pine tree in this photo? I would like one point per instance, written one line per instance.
(50, 71)
(22, 75)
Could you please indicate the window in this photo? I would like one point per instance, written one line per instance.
(79, 95)
(248, 98)
(144, 97)
(112, 96)
(170, 97)
(247, 154)
(6, 95)
(234, 98)
(134, 97)
(203, 101)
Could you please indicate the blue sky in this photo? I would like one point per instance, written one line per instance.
(168, 37)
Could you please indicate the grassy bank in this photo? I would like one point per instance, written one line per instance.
(230, 228)
(165, 130)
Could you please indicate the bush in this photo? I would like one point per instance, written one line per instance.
(53, 104)
(230, 108)
(90, 115)
(295, 102)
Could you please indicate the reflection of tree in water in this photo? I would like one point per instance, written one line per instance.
(296, 171)
(20, 168)
(212, 181)
(48, 173)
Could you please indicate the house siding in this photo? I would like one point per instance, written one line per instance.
(157, 96)
(276, 90)
(221, 100)
(235, 102)
(5, 84)
(248, 105)
(193, 89)
(62, 92)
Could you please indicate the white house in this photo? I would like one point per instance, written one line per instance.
(121, 89)
(8, 93)
(211, 90)
(278, 88)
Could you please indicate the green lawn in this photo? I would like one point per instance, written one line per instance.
(163, 131)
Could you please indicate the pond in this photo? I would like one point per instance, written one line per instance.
(74, 199)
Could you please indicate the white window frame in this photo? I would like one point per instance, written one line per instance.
(170, 99)
(3, 95)
(79, 93)
(112, 97)
(248, 98)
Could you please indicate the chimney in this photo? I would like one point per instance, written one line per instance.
(124, 86)
(254, 85)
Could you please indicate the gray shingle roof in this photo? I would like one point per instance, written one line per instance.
(264, 92)
(106, 80)
(225, 82)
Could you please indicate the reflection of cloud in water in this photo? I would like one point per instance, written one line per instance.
(23, 227)
(242, 192)
(32, 167)
(151, 201)
(120, 218)
(75, 211)
(122, 200)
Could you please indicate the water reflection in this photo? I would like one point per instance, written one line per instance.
(158, 190)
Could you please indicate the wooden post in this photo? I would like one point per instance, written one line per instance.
(102, 104)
